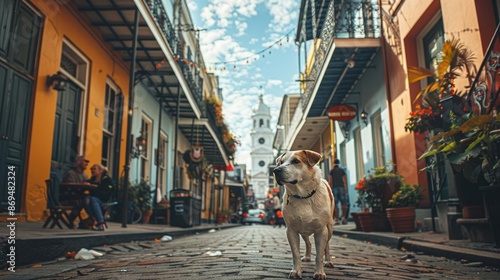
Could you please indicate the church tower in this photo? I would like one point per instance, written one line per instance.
(261, 149)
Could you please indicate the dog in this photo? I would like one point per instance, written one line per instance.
(307, 208)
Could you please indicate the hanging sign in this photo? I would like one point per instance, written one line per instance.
(342, 113)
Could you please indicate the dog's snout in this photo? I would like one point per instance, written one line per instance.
(277, 170)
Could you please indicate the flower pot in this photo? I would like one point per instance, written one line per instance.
(473, 211)
(355, 216)
(491, 195)
(402, 219)
(385, 192)
(370, 221)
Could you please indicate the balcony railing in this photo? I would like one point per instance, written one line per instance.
(485, 89)
(159, 13)
(194, 82)
(343, 20)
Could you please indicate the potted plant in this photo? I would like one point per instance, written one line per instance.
(472, 143)
(379, 187)
(440, 96)
(374, 193)
(143, 194)
(401, 211)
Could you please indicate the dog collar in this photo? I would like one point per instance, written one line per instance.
(299, 197)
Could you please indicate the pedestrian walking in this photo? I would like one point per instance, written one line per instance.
(337, 179)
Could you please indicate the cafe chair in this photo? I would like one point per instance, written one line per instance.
(105, 208)
(58, 212)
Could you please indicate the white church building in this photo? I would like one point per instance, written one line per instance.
(261, 149)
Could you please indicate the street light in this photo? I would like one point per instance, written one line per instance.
(57, 81)
(364, 117)
(140, 143)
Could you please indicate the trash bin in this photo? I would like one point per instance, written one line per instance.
(181, 208)
(196, 212)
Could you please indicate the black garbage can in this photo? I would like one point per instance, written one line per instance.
(181, 208)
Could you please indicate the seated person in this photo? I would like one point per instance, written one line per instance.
(94, 198)
(76, 175)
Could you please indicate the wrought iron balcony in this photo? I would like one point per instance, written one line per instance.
(485, 90)
(194, 82)
(346, 20)
(160, 15)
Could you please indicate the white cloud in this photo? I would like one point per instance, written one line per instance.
(273, 83)
(253, 41)
(241, 26)
(284, 13)
(222, 12)
(193, 7)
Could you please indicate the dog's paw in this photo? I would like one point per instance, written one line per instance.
(329, 264)
(294, 274)
(306, 259)
(321, 276)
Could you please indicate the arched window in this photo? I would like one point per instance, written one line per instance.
(261, 123)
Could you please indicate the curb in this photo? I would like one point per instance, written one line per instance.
(429, 248)
(37, 250)
(389, 241)
(487, 258)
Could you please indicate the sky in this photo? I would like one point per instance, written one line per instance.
(237, 31)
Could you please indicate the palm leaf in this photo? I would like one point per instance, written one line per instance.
(461, 158)
(478, 140)
(474, 122)
(416, 74)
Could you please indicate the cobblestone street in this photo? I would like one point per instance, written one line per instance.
(249, 252)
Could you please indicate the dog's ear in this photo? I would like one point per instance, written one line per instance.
(312, 157)
(278, 159)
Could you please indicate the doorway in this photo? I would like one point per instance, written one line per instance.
(19, 46)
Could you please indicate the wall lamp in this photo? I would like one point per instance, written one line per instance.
(57, 81)
(364, 117)
(345, 129)
(140, 143)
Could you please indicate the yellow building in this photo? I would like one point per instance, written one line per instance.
(92, 47)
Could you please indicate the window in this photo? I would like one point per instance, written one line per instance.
(146, 127)
(161, 161)
(20, 28)
(261, 123)
(109, 126)
(433, 44)
(432, 40)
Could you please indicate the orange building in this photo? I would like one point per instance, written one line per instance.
(51, 126)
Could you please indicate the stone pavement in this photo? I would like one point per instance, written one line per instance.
(35, 244)
(248, 252)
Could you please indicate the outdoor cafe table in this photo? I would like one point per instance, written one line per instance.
(71, 194)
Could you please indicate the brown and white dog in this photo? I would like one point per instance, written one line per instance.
(307, 208)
